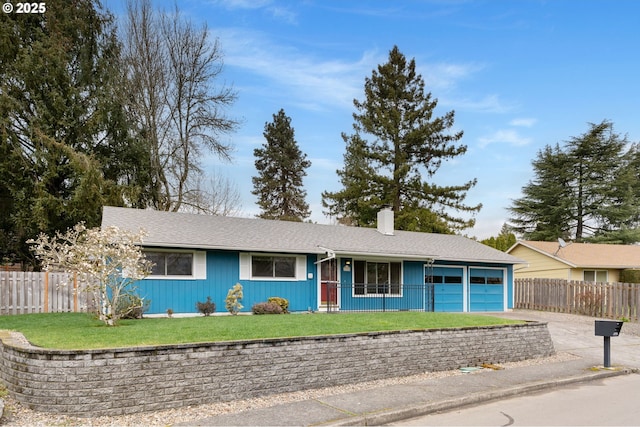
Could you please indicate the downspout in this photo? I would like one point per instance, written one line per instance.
(330, 255)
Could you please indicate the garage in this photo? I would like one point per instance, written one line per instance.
(487, 289)
(448, 288)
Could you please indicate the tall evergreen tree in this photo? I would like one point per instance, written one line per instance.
(596, 158)
(357, 203)
(61, 119)
(584, 190)
(406, 141)
(281, 167)
(544, 211)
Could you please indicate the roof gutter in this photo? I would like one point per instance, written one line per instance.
(331, 253)
(229, 248)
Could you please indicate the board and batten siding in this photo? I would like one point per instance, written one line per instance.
(222, 273)
(301, 292)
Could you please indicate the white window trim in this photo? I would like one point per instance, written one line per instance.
(199, 271)
(246, 272)
(376, 260)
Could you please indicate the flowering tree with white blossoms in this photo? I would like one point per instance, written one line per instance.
(111, 259)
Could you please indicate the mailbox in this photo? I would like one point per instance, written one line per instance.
(608, 328)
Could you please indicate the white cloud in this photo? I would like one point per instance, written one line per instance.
(488, 104)
(523, 122)
(280, 13)
(446, 75)
(322, 84)
(506, 136)
(243, 4)
(283, 14)
(305, 80)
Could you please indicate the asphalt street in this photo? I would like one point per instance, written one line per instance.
(603, 402)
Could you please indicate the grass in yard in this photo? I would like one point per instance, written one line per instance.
(81, 331)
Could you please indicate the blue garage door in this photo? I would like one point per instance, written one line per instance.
(486, 289)
(448, 288)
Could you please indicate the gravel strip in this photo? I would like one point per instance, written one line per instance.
(16, 415)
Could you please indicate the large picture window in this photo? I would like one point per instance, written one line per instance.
(377, 278)
(273, 267)
(261, 266)
(170, 263)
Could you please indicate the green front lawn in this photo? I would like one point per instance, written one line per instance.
(80, 331)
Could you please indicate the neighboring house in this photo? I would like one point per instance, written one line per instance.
(197, 256)
(588, 262)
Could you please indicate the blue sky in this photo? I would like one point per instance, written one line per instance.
(519, 75)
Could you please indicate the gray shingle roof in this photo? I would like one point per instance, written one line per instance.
(183, 230)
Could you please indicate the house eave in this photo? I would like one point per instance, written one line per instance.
(407, 257)
(545, 253)
(231, 248)
(339, 253)
(609, 267)
(481, 260)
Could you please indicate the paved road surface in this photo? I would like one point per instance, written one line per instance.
(608, 402)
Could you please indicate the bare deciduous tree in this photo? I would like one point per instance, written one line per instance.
(218, 196)
(172, 70)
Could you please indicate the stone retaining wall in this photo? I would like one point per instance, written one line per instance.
(129, 380)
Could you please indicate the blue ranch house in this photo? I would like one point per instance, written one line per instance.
(316, 267)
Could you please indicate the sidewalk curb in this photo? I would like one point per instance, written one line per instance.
(382, 418)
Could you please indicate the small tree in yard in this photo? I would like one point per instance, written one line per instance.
(111, 258)
(234, 296)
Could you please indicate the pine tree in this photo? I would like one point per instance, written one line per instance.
(281, 167)
(61, 120)
(544, 211)
(357, 204)
(595, 157)
(407, 142)
(584, 190)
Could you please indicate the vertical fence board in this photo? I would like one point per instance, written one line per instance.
(23, 292)
(611, 300)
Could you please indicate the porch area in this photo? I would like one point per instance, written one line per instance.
(367, 297)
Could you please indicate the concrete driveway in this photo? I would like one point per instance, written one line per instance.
(575, 334)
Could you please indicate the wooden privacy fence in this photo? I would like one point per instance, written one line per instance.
(610, 300)
(34, 292)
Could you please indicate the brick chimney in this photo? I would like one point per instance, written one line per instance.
(385, 221)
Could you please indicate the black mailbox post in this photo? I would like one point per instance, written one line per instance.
(607, 329)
